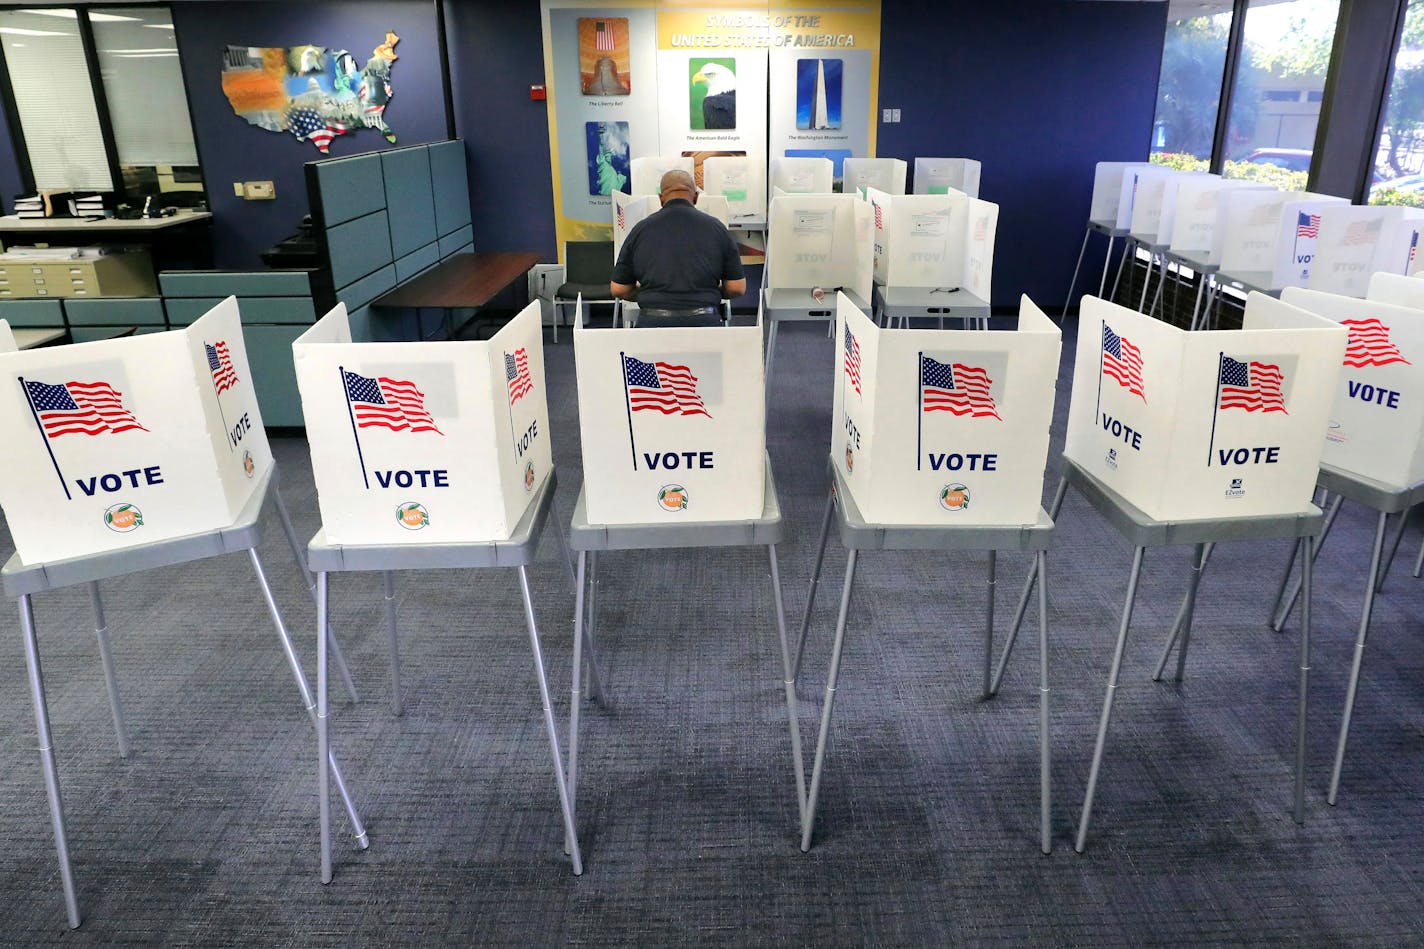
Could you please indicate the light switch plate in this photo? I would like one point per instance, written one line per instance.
(259, 190)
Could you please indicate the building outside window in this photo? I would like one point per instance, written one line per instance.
(1398, 174)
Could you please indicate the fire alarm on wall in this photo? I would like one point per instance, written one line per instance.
(537, 93)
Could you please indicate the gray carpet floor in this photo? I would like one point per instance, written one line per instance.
(206, 834)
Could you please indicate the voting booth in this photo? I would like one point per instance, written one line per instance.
(967, 444)
(424, 443)
(821, 240)
(742, 181)
(1154, 206)
(941, 175)
(802, 175)
(647, 173)
(1112, 182)
(628, 211)
(124, 442)
(1204, 425)
(1356, 242)
(883, 174)
(935, 241)
(1269, 237)
(1393, 288)
(673, 423)
(715, 205)
(1377, 416)
(1194, 214)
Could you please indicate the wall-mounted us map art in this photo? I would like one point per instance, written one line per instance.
(314, 92)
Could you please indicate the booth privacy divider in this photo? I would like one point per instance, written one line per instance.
(883, 174)
(940, 175)
(1194, 217)
(1269, 237)
(7, 338)
(1356, 242)
(940, 241)
(628, 211)
(821, 240)
(742, 181)
(647, 173)
(107, 453)
(802, 175)
(1393, 288)
(1204, 425)
(424, 442)
(673, 423)
(965, 443)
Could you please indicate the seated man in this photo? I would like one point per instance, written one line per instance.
(678, 263)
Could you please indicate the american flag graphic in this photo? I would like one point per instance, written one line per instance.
(1362, 232)
(1369, 344)
(1253, 386)
(308, 124)
(388, 403)
(516, 372)
(603, 35)
(957, 388)
(1413, 246)
(88, 408)
(662, 387)
(1307, 225)
(1122, 361)
(879, 218)
(981, 228)
(1268, 212)
(852, 359)
(220, 362)
(622, 218)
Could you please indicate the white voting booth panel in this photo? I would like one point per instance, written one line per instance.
(647, 172)
(1128, 183)
(424, 443)
(802, 175)
(979, 248)
(883, 174)
(1194, 213)
(1356, 242)
(122, 442)
(1378, 414)
(940, 175)
(1271, 232)
(934, 241)
(1393, 288)
(628, 211)
(1155, 203)
(715, 205)
(1207, 424)
(673, 423)
(7, 338)
(739, 179)
(965, 445)
(821, 240)
(1107, 191)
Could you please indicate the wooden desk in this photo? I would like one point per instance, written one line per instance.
(180, 242)
(35, 338)
(464, 280)
(35, 227)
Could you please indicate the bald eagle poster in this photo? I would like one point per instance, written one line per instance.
(712, 94)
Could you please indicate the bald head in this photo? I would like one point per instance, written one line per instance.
(677, 184)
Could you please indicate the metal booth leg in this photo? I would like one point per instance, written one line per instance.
(1279, 622)
(1053, 508)
(1107, 259)
(815, 580)
(111, 679)
(393, 633)
(1128, 247)
(1196, 304)
(1354, 685)
(831, 679)
(306, 694)
(1419, 563)
(1393, 547)
(323, 737)
(51, 773)
(1073, 284)
(593, 683)
(789, 684)
(565, 805)
(1182, 626)
(576, 695)
(989, 624)
(285, 517)
(1108, 701)
(1161, 283)
(1045, 770)
(1307, 569)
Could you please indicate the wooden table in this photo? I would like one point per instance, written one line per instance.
(464, 280)
(179, 241)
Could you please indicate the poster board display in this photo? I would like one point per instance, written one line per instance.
(648, 172)
(742, 181)
(7, 338)
(884, 174)
(1194, 214)
(424, 443)
(941, 175)
(673, 423)
(967, 443)
(1356, 242)
(1208, 424)
(711, 81)
(1393, 288)
(801, 175)
(821, 240)
(123, 442)
(1377, 419)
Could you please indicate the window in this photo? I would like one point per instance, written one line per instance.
(1399, 158)
(79, 128)
(1189, 90)
(1279, 82)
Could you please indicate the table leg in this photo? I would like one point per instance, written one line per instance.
(1280, 620)
(1354, 685)
(393, 633)
(1307, 568)
(576, 695)
(1053, 508)
(51, 772)
(111, 678)
(832, 678)
(1073, 284)
(789, 685)
(323, 736)
(308, 701)
(815, 581)
(571, 835)
(1045, 770)
(1113, 672)
(989, 625)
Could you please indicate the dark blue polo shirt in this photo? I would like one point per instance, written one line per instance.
(678, 256)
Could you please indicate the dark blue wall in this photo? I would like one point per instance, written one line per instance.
(1038, 91)
(231, 150)
(10, 183)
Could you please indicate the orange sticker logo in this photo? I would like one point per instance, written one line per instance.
(672, 497)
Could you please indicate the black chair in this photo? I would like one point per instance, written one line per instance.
(588, 265)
